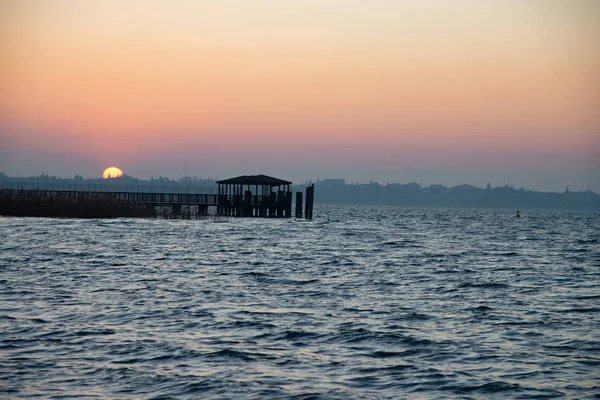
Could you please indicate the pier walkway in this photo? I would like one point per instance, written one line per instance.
(154, 199)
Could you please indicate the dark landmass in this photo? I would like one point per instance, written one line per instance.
(337, 191)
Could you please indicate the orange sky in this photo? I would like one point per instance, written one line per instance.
(123, 82)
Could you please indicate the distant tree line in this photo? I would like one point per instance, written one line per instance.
(337, 191)
(124, 183)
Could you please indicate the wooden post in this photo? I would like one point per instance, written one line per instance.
(310, 194)
(176, 210)
(272, 203)
(298, 204)
(288, 203)
(279, 205)
(248, 203)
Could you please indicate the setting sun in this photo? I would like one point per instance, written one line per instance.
(112, 172)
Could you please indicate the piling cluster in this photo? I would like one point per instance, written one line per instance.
(310, 199)
(275, 205)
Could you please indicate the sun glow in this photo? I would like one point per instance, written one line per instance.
(112, 172)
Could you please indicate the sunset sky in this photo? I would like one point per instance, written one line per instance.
(433, 91)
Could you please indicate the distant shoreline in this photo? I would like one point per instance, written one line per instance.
(338, 192)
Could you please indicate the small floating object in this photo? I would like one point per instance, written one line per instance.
(518, 215)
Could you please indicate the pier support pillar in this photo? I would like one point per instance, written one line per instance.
(310, 195)
(298, 204)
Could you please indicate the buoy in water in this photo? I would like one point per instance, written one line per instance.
(518, 215)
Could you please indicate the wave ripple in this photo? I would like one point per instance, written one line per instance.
(362, 302)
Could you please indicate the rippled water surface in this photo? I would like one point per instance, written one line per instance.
(359, 303)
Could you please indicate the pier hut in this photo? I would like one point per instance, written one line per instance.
(254, 196)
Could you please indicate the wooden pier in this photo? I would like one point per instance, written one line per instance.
(244, 196)
(94, 204)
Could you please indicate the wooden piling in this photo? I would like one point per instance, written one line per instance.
(176, 210)
(310, 194)
(288, 204)
(298, 204)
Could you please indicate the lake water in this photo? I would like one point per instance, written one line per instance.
(362, 302)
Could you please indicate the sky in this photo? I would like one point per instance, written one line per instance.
(432, 91)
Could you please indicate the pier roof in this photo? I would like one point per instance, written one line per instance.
(254, 180)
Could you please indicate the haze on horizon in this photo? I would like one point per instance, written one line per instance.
(446, 92)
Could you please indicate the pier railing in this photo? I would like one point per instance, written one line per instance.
(133, 197)
(147, 198)
(100, 187)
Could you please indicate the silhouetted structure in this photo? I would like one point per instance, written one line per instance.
(94, 204)
(254, 196)
(310, 199)
(298, 204)
(243, 196)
